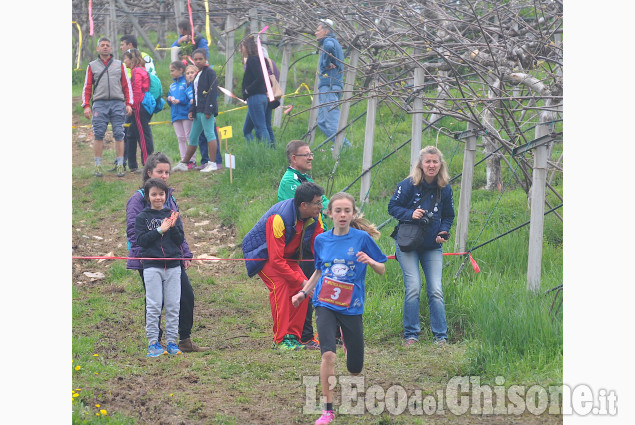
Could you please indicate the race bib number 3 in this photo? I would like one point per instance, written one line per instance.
(336, 293)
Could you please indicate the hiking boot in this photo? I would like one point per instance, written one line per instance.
(99, 172)
(181, 166)
(173, 349)
(120, 171)
(155, 350)
(312, 344)
(326, 418)
(211, 166)
(187, 346)
(294, 340)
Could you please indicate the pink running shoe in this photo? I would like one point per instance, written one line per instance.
(326, 418)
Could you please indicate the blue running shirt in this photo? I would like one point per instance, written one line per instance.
(336, 257)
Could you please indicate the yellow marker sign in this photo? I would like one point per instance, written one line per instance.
(226, 132)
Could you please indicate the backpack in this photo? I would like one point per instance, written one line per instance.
(156, 91)
(154, 103)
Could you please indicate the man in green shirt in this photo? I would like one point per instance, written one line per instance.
(300, 160)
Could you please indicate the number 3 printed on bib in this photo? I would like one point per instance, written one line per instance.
(336, 293)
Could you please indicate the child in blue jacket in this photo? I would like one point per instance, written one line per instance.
(179, 102)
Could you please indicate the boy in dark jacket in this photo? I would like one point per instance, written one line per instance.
(203, 110)
(160, 234)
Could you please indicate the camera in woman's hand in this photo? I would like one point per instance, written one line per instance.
(425, 218)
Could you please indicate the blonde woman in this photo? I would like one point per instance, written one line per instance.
(424, 196)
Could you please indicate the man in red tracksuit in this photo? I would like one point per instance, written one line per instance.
(282, 236)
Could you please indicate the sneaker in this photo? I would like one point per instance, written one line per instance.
(312, 344)
(181, 166)
(187, 346)
(155, 350)
(410, 342)
(211, 166)
(284, 345)
(326, 418)
(200, 167)
(191, 165)
(441, 342)
(99, 172)
(173, 349)
(294, 340)
(120, 171)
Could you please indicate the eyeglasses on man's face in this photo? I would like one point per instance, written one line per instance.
(316, 203)
(310, 154)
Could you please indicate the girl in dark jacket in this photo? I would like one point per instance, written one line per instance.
(158, 166)
(203, 111)
(425, 193)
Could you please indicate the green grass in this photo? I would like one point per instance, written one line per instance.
(496, 326)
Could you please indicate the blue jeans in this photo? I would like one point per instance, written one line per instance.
(432, 264)
(257, 105)
(329, 114)
(204, 150)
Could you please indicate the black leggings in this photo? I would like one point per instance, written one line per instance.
(328, 323)
(308, 267)
(139, 132)
(186, 309)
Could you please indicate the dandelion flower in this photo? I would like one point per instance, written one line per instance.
(95, 355)
(97, 405)
(78, 367)
(171, 394)
(75, 395)
(103, 412)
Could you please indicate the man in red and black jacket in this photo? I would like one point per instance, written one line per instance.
(109, 88)
(278, 240)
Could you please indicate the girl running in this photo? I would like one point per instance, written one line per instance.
(341, 257)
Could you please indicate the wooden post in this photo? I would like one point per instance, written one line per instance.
(537, 218)
(284, 75)
(313, 113)
(137, 27)
(231, 170)
(465, 200)
(417, 116)
(113, 30)
(369, 138)
(178, 13)
(253, 21)
(349, 85)
(162, 30)
(229, 55)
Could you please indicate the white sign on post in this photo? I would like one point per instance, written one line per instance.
(230, 161)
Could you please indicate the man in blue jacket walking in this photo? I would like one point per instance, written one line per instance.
(331, 69)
